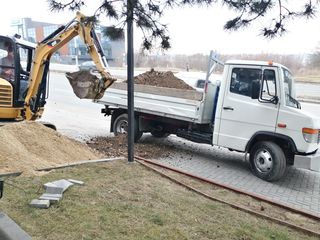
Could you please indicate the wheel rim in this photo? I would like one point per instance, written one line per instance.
(263, 161)
(122, 126)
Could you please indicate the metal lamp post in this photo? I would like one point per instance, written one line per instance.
(130, 74)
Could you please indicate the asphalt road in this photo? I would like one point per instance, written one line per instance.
(308, 89)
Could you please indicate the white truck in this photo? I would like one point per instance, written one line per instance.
(253, 110)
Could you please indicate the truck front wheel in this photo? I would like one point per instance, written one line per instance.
(267, 161)
(120, 126)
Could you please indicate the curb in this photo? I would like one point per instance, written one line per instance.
(79, 163)
(16, 174)
(314, 101)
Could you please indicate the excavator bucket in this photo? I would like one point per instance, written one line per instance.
(86, 85)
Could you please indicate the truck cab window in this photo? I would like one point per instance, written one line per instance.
(268, 85)
(241, 80)
(289, 90)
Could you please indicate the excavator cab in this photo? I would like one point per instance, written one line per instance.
(15, 66)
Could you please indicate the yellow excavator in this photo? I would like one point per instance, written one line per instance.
(24, 68)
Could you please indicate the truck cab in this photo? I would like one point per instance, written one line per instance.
(257, 112)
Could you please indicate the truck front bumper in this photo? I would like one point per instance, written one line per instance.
(311, 162)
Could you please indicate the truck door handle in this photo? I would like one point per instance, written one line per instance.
(228, 108)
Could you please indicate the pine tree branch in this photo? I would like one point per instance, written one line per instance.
(148, 13)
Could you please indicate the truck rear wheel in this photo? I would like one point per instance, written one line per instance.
(120, 126)
(267, 161)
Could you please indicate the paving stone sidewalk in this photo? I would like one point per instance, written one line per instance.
(298, 188)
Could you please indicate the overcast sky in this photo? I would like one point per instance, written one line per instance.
(192, 30)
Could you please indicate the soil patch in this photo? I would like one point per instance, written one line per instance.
(161, 79)
(27, 146)
(117, 146)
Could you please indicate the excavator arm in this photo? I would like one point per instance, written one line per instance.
(85, 85)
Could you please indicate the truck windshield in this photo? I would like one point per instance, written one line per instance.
(289, 90)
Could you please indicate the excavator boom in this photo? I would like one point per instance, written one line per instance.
(84, 84)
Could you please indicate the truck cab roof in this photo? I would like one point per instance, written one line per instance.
(254, 63)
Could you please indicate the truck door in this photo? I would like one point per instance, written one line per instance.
(242, 116)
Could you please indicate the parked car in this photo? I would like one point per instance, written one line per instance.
(88, 65)
(201, 83)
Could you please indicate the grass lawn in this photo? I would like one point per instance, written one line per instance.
(127, 201)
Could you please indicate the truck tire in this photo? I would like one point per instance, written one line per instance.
(120, 126)
(267, 161)
(159, 134)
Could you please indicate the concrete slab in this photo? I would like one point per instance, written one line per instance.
(77, 182)
(54, 190)
(51, 197)
(39, 204)
(61, 184)
(9, 230)
(311, 162)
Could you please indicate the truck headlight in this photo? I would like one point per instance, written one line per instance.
(310, 135)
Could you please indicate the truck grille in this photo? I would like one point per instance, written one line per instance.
(5, 96)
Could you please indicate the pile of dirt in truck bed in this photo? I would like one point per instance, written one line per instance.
(27, 146)
(117, 147)
(161, 79)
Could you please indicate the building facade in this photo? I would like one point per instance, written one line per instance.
(75, 51)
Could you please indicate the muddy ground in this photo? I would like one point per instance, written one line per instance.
(117, 147)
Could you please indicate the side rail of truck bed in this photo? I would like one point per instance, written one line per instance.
(186, 105)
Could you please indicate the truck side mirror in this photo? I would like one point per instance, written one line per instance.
(255, 89)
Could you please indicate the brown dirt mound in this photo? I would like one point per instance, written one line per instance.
(27, 146)
(161, 79)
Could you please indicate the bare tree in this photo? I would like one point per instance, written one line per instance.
(294, 62)
(147, 15)
(198, 62)
(314, 58)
